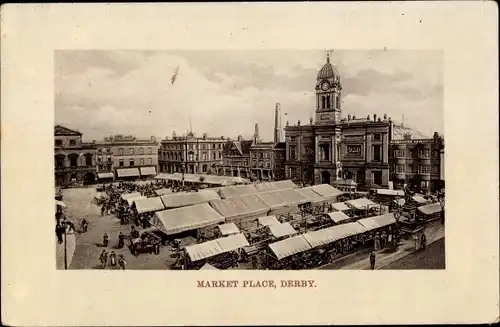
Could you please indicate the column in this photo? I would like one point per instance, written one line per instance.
(299, 148)
(368, 148)
(385, 148)
(317, 152)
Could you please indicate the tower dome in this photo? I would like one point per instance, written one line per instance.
(328, 71)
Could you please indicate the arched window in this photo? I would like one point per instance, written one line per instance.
(73, 160)
(337, 102)
(328, 102)
(88, 159)
(323, 102)
(59, 160)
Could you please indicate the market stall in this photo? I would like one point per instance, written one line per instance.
(373, 223)
(283, 201)
(228, 229)
(340, 206)
(329, 235)
(429, 211)
(282, 230)
(275, 186)
(241, 208)
(126, 196)
(346, 185)
(163, 191)
(208, 266)
(289, 246)
(144, 205)
(327, 192)
(420, 200)
(176, 200)
(237, 190)
(338, 217)
(268, 220)
(131, 200)
(221, 253)
(175, 221)
(363, 206)
(313, 197)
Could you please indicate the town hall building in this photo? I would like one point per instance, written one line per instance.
(331, 149)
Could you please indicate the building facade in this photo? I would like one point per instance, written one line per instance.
(417, 162)
(330, 147)
(75, 160)
(194, 155)
(236, 158)
(119, 152)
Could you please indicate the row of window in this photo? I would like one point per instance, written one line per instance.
(422, 169)
(203, 146)
(422, 153)
(204, 156)
(132, 162)
(60, 142)
(131, 151)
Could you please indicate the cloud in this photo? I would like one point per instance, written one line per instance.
(227, 92)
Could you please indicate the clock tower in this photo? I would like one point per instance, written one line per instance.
(328, 93)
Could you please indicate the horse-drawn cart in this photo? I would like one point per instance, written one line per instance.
(146, 243)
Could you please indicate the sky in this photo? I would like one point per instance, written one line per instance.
(225, 93)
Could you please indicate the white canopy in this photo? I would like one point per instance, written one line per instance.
(237, 190)
(212, 248)
(126, 196)
(175, 221)
(128, 172)
(332, 234)
(275, 186)
(338, 216)
(143, 205)
(430, 209)
(340, 206)
(419, 199)
(130, 201)
(327, 191)
(289, 246)
(228, 229)
(203, 250)
(232, 242)
(280, 230)
(175, 200)
(361, 204)
(268, 220)
(284, 198)
(243, 207)
(376, 222)
(310, 195)
(163, 191)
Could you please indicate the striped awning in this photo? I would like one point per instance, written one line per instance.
(148, 171)
(105, 175)
(128, 172)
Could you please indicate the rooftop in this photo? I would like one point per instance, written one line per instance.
(60, 130)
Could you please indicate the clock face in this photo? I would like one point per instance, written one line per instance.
(325, 86)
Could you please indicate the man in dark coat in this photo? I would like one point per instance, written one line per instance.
(372, 261)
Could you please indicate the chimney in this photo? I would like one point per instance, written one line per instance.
(277, 127)
(256, 134)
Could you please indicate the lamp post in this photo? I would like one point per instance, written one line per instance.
(65, 248)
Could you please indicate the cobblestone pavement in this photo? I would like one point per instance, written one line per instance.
(433, 257)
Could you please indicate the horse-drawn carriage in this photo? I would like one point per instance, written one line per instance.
(146, 243)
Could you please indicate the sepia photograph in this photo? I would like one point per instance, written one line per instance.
(268, 160)
(249, 163)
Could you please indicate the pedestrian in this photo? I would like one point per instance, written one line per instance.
(121, 240)
(376, 241)
(84, 225)
(423, 241)
(122, 262)
(59, 233)
(105, 239)
(254, 262)
(415, 241)
(103, 258)
(112, 258)
(372, 261)
(102, 210)
(383, 238)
